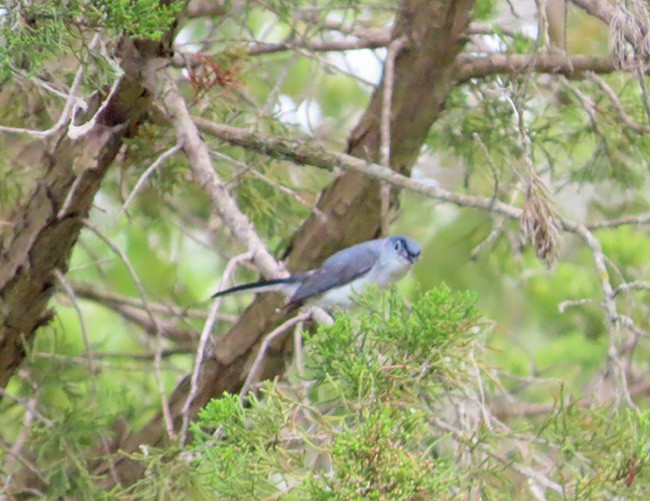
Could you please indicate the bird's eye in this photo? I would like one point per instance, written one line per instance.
(398, 245)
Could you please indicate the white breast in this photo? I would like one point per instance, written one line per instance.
(381, 274)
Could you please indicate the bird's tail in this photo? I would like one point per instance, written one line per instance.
(279, 284)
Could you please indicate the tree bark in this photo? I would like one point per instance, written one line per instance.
(46, 227)
(349, 210)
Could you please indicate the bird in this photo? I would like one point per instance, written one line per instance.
(379, 262)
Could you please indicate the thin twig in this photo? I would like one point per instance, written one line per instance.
(157, 362)
(246, 169)
(15, 453)
(99, 360)
(384, 130)
(203, 341)
(639, 219)
(298, 350)
(499, 224)
(599, 261)
(572, 303)
(485, 412)
(631, 286)
(82, 324)
(525, 471)
(111, 460)
(29, 405)
(616, 103)
(252, 374)
(372, 40)
(150, 170)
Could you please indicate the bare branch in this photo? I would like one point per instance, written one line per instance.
(639, 219)
(372, 40)
(318, 155)
(310, 152)
(514, 409)
(199, 159)
(110, 299)
(483, 66)
(631, 286)
(201, 349)
(573, 303)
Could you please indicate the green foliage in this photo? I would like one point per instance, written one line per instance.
(608, 451)
(484, 8)
(138, 19)
(382, 368)
(374, 459)
(394, 346)
(568, 138)
(33, 32)
(168, 475)
(260, 198)
(232, 459)
(66, 470)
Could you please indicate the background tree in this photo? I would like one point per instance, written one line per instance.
(194, 142)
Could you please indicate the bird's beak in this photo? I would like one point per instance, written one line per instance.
(413, 257)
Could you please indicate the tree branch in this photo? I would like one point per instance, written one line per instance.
(198, 155)
(483, 66)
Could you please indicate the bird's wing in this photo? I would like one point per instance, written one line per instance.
(340, 269)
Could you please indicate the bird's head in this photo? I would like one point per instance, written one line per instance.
(405, 247)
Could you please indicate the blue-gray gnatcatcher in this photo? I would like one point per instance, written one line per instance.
(378, 262)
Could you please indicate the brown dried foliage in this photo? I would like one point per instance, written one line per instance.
(539, 224)
(208, 74)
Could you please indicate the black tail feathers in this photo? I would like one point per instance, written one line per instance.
(261, 286)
